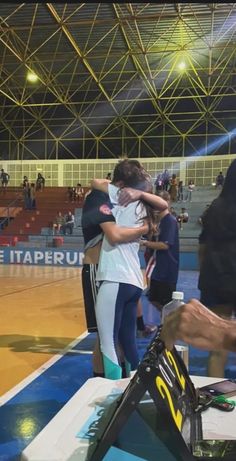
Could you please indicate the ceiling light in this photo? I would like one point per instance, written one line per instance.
(182, 66)
(32, 77)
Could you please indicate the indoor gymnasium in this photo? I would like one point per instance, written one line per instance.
(117, 231)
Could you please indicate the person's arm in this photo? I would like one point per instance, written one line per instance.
(100, 184)
(194, 324)
(128, 195)
(155, 245)
(116, 234)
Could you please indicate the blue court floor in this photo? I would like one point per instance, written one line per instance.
(26, 413)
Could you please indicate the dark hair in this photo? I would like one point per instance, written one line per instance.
(132, 174)
(219, 220)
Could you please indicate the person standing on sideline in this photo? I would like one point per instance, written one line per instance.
(220, 180)
(79, 192)
(217, 252)
(191, 187)
(158, 183)
(120, 275)
(97, 219)
(166, 180)
(32, 195)
(40, 182)
(165, 273)
(173, 188)
(4, 176)
(180, 191)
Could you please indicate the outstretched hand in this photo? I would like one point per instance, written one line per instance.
(194, 324)
(128, 195)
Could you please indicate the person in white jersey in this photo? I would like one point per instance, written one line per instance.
(121, 278)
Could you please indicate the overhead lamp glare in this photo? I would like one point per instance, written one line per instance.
(182, 66)
(32, 77)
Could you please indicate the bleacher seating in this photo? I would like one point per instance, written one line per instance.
(35, 227)
(30, 222)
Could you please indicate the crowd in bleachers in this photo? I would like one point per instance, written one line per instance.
(170, 183)
(63, 223)
(76, 195)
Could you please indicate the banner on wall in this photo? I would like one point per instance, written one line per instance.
(43, 257)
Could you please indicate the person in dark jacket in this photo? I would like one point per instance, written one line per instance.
(217, 251)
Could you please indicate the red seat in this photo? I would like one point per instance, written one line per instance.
(58, 241)
(7, 241)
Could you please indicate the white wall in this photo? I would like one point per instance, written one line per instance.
(203, 170)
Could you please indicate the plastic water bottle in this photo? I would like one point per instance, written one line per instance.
(177, 301)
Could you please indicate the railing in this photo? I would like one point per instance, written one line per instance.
(6, 210)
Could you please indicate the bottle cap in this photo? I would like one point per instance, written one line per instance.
(178, 295)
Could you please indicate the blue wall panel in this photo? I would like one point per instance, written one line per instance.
(60, 257)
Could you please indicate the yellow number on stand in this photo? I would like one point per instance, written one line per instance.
(164, 391)
(180, 377)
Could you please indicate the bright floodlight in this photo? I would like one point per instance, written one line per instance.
(32, 77)
(182, 66)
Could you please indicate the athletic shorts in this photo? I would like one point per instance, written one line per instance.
(161, 292)
(90, 290)
(218, 304)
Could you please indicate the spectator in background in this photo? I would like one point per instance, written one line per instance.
(26, 195)
(191, 187)
(69, 223)
(180, 191)
(58, 222)
(173, 188)
(108, 176)
(202, 215)
(71, 193)
(166, 179)
(25, 182)
(173, 212)
(40, 182)
(165, 273)
(158, 184)
(183, 217)
(32, 196)
(4, 176)
(79, 192)
(220, 180)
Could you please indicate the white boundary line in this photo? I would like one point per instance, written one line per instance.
(35, 374)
